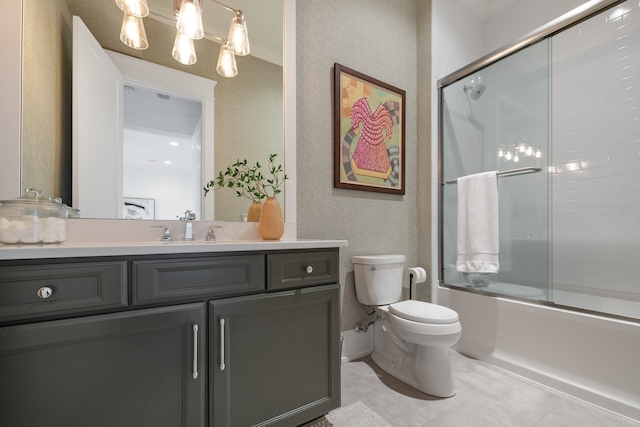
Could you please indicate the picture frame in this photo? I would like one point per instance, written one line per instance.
(369, 133)
(138, 208)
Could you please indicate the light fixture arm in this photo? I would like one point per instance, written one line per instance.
(229, 8)
(220, 39)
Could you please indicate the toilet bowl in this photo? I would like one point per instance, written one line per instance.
(411, 339)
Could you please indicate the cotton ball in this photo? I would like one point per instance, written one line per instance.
(61, 229)
(18, 228)
(30, 238)
(7, 236)
(50, 238)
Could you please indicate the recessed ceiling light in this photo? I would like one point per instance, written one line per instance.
(167, 162)
(173, 144)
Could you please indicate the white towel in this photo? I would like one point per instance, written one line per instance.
(478, 241)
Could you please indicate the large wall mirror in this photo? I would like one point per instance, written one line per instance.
(254, 112)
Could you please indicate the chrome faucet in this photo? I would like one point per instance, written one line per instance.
(211, 234)
(188, 230)
(166, 234)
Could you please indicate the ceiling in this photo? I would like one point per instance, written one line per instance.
(264, 20)
(485, 9)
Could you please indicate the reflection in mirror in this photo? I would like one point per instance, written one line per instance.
(248, 108)
(161, 152)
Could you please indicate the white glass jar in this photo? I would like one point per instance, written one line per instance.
(32, 218)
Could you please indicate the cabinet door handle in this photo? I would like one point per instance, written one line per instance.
(309, 269)
(195, 351)
(222, 365)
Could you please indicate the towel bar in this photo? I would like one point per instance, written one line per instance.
(520, 171)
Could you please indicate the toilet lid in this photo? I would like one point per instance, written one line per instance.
(423, 312)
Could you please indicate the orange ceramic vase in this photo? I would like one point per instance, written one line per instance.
(271, 222)
(254, 212)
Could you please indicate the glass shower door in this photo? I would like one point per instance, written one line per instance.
(497, 119)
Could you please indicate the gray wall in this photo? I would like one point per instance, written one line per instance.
(380, 38)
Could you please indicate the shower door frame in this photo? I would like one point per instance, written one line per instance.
(571, 18)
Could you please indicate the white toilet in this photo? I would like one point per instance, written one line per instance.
(411, 339)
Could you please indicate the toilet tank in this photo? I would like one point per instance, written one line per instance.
(378, 278)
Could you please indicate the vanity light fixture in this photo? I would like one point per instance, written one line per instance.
(238, 37)
(189, 16)
(183, 50)
(137, 8)
(226, 61)
(132, 32)
(189, 25)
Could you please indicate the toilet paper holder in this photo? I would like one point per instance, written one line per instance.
(416, 275)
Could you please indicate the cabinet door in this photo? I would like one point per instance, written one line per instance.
(126, 369)
(274, 359)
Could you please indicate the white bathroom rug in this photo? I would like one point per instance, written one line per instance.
(355, 415)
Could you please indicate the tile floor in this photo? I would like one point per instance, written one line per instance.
(486, 396)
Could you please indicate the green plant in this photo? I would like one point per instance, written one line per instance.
(277, 177)
(248, 181)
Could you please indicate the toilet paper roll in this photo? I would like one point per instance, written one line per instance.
(419, 275)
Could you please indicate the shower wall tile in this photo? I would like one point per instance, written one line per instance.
(595, 161)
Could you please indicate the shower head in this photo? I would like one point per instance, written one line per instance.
(475, 92)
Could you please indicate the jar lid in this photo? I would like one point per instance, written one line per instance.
(35, 197)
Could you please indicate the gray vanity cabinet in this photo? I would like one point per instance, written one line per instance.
(229, 339)
(274, 358)
(135, 368)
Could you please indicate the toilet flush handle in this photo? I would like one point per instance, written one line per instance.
(374, 269)
(309, 269)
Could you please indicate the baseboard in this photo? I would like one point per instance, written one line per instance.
(356, 344)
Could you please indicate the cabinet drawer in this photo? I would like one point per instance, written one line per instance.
(302, 268)
(179, 279)
(47, 289)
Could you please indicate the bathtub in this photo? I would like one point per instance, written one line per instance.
(594, 358)
(512, 290)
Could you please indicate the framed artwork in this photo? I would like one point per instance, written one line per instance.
(139, 208)
(369, 127)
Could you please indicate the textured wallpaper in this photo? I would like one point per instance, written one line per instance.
(46, 98)
(380, 39)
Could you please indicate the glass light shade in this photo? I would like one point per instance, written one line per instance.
(238, 35)
(132, 33)
(183, 50)
(226, 62)
(137, 8)
(190, 19)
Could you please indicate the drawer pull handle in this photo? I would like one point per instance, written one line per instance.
(309, 269)
(45, 292)
(195, 351)
(222, 365)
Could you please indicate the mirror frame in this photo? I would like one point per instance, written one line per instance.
(11, 107)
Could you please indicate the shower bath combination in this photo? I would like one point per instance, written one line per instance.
(565, 280)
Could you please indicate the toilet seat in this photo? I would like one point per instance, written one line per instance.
(417, 332)
(424, 312)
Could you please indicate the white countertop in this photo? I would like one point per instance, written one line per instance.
(91, 249)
